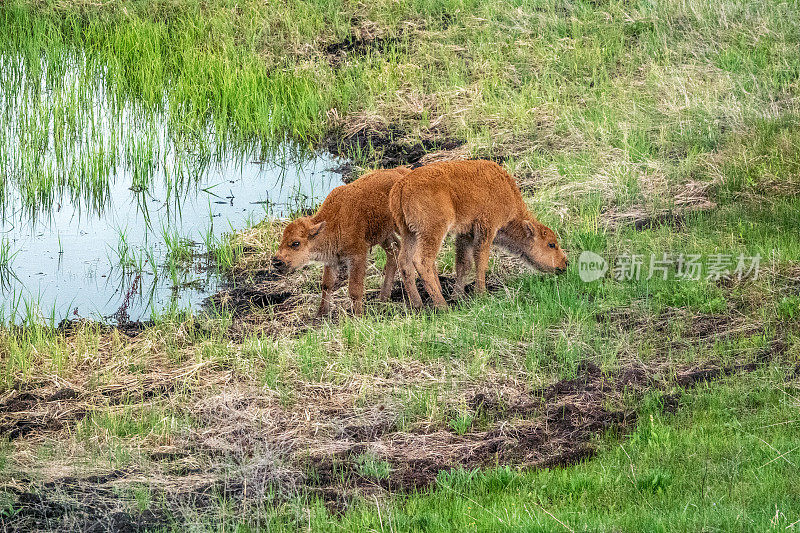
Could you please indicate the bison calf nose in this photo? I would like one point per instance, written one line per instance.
(278, 264)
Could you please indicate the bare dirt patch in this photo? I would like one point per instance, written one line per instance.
(79, 505)
(388, 145)
(357, 46)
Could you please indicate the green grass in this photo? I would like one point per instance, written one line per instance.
(600, 109)
(691, 472)
(371, 467)
(695, 470)
(130, 422)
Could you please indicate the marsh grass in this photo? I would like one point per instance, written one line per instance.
(73, 131)
(631, 127)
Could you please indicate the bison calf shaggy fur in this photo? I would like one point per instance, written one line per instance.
(480, 204)
(351, 220)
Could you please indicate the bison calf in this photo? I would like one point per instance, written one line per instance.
(351, 220)
(480, 204)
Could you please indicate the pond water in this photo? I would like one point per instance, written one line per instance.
(99, 197)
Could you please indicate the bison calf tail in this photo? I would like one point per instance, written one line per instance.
(396, 207)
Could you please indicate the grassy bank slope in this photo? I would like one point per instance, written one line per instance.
(549, 404)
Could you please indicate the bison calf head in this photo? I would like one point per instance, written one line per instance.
(297, 245)
(535, 243)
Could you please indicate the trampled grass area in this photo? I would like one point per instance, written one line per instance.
(551, 403)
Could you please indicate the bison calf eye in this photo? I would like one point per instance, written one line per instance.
(295, 244)
(552, 245)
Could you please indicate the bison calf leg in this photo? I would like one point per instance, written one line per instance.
(358, 267)
(405, 260)
(389, 272)
(464, 253)
(330, 275)
(425, 262)
(482, 251)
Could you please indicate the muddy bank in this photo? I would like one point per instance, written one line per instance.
(273, 291)
(279, 306)
(387, 147)
(71, 326)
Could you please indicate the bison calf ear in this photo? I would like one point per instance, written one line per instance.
(530, 228)
(315, 229)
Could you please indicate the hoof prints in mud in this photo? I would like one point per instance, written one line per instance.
(448, 283)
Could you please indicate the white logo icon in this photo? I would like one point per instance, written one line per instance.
(591, 266)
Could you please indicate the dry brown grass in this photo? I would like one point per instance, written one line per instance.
(316, 443)
(258, 244)
(686, 198)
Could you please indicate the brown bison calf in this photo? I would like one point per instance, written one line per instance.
(351, 220)
(480, 204)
